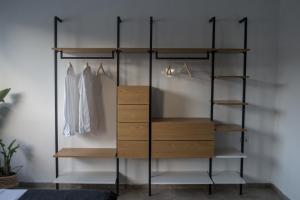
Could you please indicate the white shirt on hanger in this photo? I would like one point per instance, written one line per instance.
(87, 107)
(71, 102)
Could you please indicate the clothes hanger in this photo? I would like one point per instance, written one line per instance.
(170, 71)
(100, 68)
(187, 69)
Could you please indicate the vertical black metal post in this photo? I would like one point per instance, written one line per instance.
(245, 21)
(56, 20)
(150, 104)
(213, 21)
(118, 83)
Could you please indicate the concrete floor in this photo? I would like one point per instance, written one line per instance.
(219, 193)
(251, 192)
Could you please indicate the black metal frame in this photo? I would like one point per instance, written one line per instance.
(245, 21)
(56, 20)
(213, 45)
(207, 57)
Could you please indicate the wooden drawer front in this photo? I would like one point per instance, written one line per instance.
(133, 149)
(182, 131)
(182, 149)
(133, 131)
(133, 113)
(133, 95)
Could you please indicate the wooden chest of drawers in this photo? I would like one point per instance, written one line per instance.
(182, 138)
(133, 121)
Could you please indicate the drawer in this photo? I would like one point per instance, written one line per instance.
(182, 129)
(133, 113)
(182, 149)
(133, 95)
(133, 149)
(133, 131)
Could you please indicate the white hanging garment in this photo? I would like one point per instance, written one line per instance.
(71, 102)
(87, 106)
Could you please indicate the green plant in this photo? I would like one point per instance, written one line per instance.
(7, 153)
(3, 94)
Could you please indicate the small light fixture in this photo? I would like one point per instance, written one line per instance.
(169, 71)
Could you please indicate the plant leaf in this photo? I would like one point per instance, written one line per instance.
(3, 94)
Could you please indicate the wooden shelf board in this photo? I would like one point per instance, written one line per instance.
(181, 119)
(229, 153)
(133, 50)
(192, 178)
(183, 50)
(87, 178)
(231, 50)
(226, 128)
(227, 177)
(230, 102)
(86, 153)
(231, 77)
(85, 50)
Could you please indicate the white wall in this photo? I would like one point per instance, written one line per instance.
(26, 39)
(287, 164)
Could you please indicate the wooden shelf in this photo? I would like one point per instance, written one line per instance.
(227, 177)
(183, 50)
(133, 50)
(87, 178)
(227, 128)
(181, 178)
(231, 77)
(181, 119)
(229, 153)
(231, 50)
(85, 50)
(230, 102)
(86, 153)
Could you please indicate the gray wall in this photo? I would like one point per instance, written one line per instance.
(287, 164)
(26, 58)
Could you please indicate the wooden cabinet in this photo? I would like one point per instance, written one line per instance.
(133, 95)
(133, 113)
(182, 149)
(133, 121)
(133, 131)
(182, 138)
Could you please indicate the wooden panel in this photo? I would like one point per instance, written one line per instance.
(133, 95)
(231, 50)
(134, 50)
(231, 77)
(183, 50)
(182, 129)
(227, 128)
(133, 113)
(85, 50)
(133, 149)
(230, 102)
(133, 131)
(87, 152)
(182, 149)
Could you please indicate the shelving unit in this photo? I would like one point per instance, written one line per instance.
(86, 153)
(86, 178)
(230, 177)
(227, 177)
(80, 153)
(158, 138)
(183, 178)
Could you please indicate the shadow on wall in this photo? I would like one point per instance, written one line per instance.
(6, 108)
(166, 100)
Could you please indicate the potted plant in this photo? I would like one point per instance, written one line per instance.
(8, 178)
